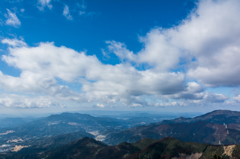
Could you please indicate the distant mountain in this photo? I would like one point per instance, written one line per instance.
(50, 133)
(13, 122)
(221, 126)
(167, 148)
(217, 116)
(19, 130)
(61, 124)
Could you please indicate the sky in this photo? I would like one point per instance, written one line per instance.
(163, 56)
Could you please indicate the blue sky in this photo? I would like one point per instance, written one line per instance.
(61, 55)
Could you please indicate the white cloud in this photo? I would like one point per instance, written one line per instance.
(43, 64)
(100, 105)
(22, 10)
(47, 59)
(214, 98)
(206, 43)
(136, 105)
(210, 35)
(204, 99)
(216, 42)
(237, 98)
(66, 13)
(121, 51)
(20, 101)
(43, 4)
(84, 13)
(12, 19)
(14, 42)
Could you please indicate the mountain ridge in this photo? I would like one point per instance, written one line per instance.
(167, 148)
(220, 126)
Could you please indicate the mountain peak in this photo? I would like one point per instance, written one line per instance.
(218, 112)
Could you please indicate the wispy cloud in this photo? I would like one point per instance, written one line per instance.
(1, 22)
(87, 13)
(12, 19)
(14, 42)
(66, 13)
(82, 5)
(43, 4)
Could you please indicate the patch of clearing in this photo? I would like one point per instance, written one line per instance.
(8, 132)
(228, 150)
(95, 133)
(15, 140)
(18, 148)
(100, 137)
(53, 123)
(72, 123)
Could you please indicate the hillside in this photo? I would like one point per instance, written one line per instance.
(49, 135)
(213, 128)
(60, 124)
(49, 143)
(167, 148)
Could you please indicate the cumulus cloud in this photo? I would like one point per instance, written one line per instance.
(12, 19)
(47, 59)
(43, 64)
(214, 98)
(192, 91)
(66, 13)
(43, 4)
(207, 42)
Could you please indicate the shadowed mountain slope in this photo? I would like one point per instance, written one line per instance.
(167, 148)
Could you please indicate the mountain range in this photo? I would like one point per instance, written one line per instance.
(217, 127)
(167, 148)
(82, 135)
(23, 129)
